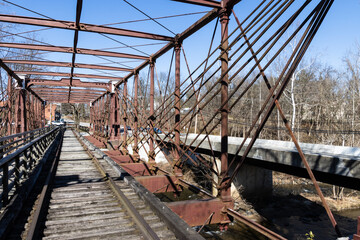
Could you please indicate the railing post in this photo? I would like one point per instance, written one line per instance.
(151, 118)
(177, 167)
(225, 192)
(5, 184)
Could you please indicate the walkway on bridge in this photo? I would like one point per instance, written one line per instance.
(84, 204)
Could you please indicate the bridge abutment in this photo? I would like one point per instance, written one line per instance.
(253, 182)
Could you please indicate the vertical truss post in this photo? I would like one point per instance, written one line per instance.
(152, 118)
(117, 115)
(93, 107)
(224, 193)
(136, 123)
(37, 113)
(96, 115)
(97, 109)
(91, 127)
(101, 116)
(10, 99)
(107, 105)
(112, 116)
(17, 110)
(43, 120)
(124, 144)
(177, 161)
(22, 106)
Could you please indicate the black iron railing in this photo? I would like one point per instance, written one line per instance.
(19, 156)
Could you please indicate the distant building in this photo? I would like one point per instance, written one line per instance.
(47, 112)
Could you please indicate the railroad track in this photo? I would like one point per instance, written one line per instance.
(87, 203)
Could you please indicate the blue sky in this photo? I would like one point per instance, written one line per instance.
(334, 40)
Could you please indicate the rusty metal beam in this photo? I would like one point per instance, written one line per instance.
(10, 72)
(36, 89)
(207, 18)
(206, 3)
(196, 212)
(90, 95)
(66, 101)
(82, 27)
(75, 42)
(69, 75)
(211, 15)
(66, 64)
(159, 183)
(51, 97)
(18, 79)
(228, 4)
(66, 82)
(71, 50)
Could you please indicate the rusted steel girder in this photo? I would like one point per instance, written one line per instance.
(159, 183)
(136, 119)
(124, 144)
(152, 117)
(59, 74)
(53, 98)
(66, 82)
(82, 27)
(65, 90)
(71, 50)
(75, 42)
(22, 107)
(206, 3)
(177, 168)
(66, 64)
(224, 20)
(114, 126)
(10, 72)
(9, 102)
(196, 212)
(82, 95)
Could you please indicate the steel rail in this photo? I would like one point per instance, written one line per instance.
(138, 219)
(257, 227)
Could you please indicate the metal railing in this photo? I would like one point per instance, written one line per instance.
(20, 157)
(11, 143)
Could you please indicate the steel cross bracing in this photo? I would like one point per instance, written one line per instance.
(145, 112)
